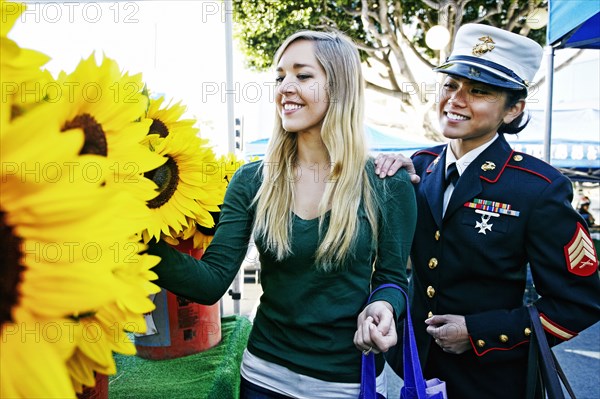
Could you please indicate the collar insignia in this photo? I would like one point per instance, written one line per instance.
(488, 165)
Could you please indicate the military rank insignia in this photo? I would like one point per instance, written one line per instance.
(580, 253)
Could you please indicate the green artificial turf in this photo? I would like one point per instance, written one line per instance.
(212, 374)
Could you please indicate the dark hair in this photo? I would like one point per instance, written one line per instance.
(513, 97)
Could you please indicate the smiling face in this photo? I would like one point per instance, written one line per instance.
(302, 99)
(472, 112)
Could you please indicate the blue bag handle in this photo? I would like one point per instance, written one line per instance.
(414, 383)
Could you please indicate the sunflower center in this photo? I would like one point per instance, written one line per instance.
(95, 138)
(158, 127)
(166, 178)
(15, 112)
(10, 270)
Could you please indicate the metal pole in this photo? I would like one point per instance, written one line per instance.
(549, 53)
(236, 286)
(229, 92)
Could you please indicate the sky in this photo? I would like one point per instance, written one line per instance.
(178, 46)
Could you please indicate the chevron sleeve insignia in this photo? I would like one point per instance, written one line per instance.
(580, 253)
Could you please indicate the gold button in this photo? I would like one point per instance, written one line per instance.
(433, 262)
(503, 338)
(430, 314)
(430, 291)
(518, 158)
(527, 332)
(480, 343)
(437, 235)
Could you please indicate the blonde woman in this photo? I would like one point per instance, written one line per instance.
(327, 229)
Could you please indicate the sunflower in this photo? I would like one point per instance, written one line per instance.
(24, 359)
(188, 183)
(227, 165)
(58, 236)
(110, 115)
(71, 260)
(201, 233)
(23, 80)
(108, 107)
(103, 332)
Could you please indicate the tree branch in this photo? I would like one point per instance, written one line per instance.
(351, 12)
(418, 54)
(432, 4)
(388, 36)
(489, 13)
(385, 90)
(372, 50)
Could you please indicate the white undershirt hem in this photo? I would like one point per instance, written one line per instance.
(284, 381)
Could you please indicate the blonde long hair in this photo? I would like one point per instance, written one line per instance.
(343, 136)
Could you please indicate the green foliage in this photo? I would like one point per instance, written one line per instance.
(262, 25)
(508, 14)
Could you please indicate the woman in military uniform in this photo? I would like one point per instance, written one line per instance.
(484, 212)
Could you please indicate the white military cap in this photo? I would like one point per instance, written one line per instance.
(494, 56)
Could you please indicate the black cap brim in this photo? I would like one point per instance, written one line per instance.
(475, 73)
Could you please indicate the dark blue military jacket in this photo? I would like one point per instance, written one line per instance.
(508, 209)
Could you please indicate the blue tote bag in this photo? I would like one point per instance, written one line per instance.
(415, 386)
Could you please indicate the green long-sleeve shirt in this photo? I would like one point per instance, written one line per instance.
(306, 318)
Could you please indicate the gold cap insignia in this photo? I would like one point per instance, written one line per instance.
(487, 44)
(488, 165)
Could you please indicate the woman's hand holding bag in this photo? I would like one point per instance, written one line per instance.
(415, 386)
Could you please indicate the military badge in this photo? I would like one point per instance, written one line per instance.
(580, 253)
(488, 209)
(492, 206)
(474, 72)
(483, 226)
(487, 44)
(488, 165)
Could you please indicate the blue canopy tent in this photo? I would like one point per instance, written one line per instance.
(571, 24)
(380, 142)
(377, 141)
(574, 24)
